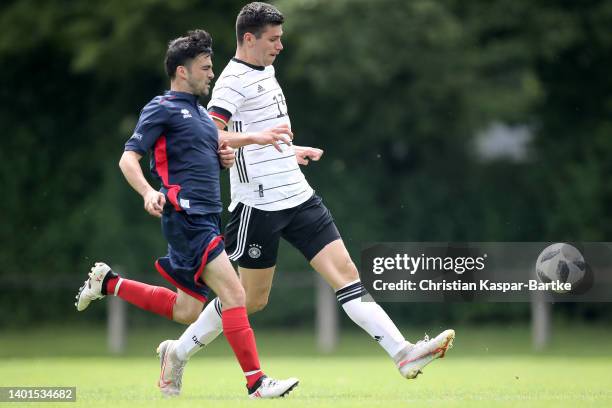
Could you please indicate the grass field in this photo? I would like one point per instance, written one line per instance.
(487, 367)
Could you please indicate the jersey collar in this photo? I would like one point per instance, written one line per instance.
(183, 95)
(257, 67)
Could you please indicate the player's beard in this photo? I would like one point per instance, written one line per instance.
(198, 88)
(204, 87)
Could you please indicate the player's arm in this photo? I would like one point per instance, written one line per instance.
(275, 136)
(225, 100)
(151, 124)
(130, 167)
(227, 156)
(306, 153)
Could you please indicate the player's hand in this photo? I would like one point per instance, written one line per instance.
(226, 155)
(304, 153)
(154, 202)
(275, 136)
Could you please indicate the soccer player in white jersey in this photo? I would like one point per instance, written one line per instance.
(272, 199)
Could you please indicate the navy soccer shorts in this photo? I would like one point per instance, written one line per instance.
(193, 240)
(252, 236)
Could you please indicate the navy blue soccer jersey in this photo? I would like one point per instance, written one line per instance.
(183, 141)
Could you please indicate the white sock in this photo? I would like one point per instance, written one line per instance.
(201, 332)
(370, 317)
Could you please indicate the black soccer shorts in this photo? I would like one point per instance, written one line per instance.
(252, 236)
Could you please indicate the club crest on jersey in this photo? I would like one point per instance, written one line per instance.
(186, 113)
(254, 251)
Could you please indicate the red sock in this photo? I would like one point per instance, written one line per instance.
(151, 298)
(242, 339)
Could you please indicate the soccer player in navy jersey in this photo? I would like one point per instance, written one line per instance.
(186, 159)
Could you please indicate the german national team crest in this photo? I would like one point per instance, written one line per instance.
(254, 251)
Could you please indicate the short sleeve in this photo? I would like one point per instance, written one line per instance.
(227, 97)
(151, 125)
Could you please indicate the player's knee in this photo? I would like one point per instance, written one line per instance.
(256, 305)
(233, 297)
(185, 315)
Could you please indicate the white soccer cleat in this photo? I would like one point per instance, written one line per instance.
(171, 375)
(267, 387)
(411, 360)
(92, 288)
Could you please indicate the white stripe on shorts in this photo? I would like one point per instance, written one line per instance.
(245, 216)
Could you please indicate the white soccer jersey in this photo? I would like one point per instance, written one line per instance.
(249, 99)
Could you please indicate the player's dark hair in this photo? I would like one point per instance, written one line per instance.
(183, 50)
(254, 17)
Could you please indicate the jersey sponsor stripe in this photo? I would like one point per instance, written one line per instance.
(267, 119)
(230, 88)
(267, 146)
(262, 94)
(259, 148)
(276, 172)
(269, 160)
(282, 199)
(225, 100)
(259, 80)
(256, 109)
(236, 75)
(282, 185)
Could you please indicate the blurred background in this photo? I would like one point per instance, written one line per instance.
(441, 120)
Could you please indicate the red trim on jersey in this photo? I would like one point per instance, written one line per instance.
(169, 278)
(212, 245)
(161, 165)
(219, 116)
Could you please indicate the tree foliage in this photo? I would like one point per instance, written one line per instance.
(395, 92)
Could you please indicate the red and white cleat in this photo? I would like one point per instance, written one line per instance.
(171, 375)
(267, 387)
(411, 360)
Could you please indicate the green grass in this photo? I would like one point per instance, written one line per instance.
(487, 367)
